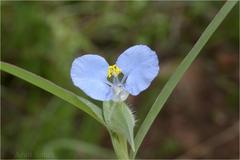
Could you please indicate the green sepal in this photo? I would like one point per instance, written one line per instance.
(119, 119)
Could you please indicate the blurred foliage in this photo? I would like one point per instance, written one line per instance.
(44, 37)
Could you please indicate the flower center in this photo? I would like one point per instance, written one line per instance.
(113, 70)
(119, 93)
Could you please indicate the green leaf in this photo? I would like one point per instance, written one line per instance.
(60, 92)
(119, 119)
(175, 78)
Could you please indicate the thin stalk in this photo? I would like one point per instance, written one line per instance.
(119, 145)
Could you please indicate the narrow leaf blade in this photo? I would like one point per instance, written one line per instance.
(56, 90)
(175, 78)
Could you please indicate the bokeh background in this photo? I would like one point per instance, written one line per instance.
(200, 119)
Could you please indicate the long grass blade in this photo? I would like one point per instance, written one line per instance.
(56, 90)
(175, 78)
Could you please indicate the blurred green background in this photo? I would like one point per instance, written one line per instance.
(200, 120)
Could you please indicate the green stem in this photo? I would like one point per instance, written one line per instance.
(119, 145)
(182, 68)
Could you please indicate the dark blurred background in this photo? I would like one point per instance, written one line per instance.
(200, 119)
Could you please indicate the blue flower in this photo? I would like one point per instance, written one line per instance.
(133, 72)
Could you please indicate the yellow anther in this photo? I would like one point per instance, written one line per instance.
(113, 70)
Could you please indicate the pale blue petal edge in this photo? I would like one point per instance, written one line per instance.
(140, 64)
(89, 73)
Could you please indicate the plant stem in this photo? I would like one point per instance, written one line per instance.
(120, 146)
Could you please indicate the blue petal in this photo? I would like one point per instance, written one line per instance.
(89, 73)
(140, 64)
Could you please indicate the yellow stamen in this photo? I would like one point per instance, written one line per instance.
(113, 70)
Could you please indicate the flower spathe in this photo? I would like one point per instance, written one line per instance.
(137, 67)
